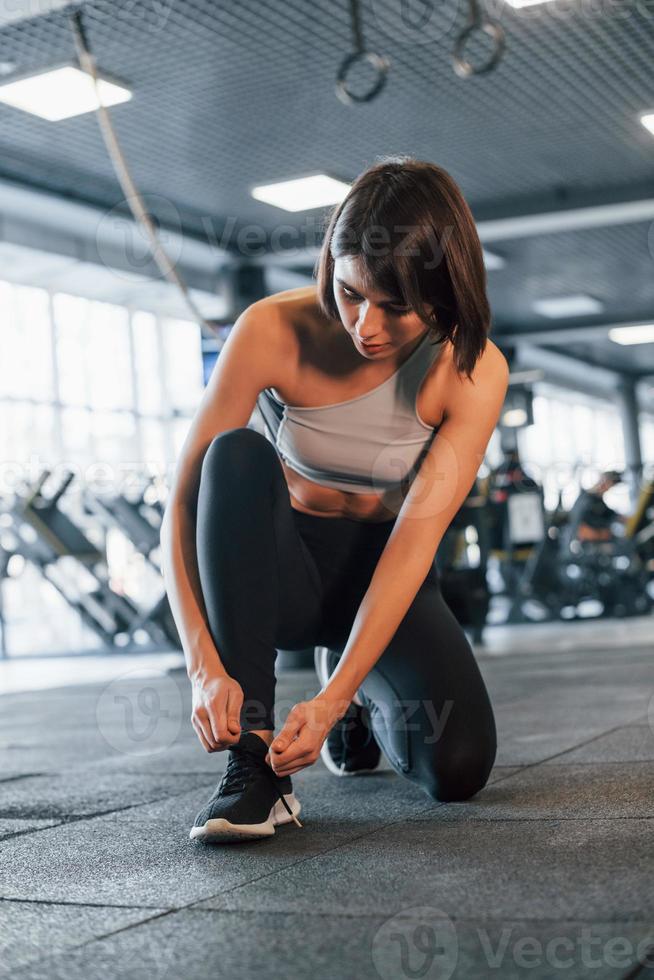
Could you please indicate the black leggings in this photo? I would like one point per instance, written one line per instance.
(273, 577)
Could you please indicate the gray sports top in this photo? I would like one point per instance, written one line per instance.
(367, 444)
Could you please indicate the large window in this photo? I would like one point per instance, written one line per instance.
(572, 439)
(101, 390)
(83, 382)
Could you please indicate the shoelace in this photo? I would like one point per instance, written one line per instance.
(243, 761)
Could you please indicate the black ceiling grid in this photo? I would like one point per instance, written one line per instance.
(230, 95)
(605, 261)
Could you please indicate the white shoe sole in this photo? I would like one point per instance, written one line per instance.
(337, 771)
(222, 831)
(320, 655)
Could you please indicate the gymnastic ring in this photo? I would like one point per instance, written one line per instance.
(465, 68)
(377, 61)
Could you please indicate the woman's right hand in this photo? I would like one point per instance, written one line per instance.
(216, 711)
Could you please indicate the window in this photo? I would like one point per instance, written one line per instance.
(572, 439)
(105, 391)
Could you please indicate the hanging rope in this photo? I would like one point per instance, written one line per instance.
(359, 54)
(88, 64)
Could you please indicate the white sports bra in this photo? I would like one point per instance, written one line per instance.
(367, 444)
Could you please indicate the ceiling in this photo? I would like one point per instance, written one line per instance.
(229, 95)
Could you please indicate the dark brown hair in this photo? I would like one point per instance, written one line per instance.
(416, 235)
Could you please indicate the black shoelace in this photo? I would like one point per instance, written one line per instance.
(242, 764)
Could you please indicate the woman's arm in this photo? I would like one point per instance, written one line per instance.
(182, 580)
(249, 361)
(446, 475)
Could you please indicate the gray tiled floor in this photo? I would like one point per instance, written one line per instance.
(546, 872)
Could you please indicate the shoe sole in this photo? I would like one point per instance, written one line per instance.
(222, 831)
(320, 657)
(336, 770)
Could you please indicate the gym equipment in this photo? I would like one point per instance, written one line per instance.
(564, 572)
(517, 527)
(380, 64)
(77, 567)
(463, 67)
(138, 519)
(464, 586)
(640, 527)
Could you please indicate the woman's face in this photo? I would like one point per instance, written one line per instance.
(370, 317)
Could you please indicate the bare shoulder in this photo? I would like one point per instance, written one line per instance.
(491, 367)
(268, 328)
(297, 311)
(492, 363)
(486, 386)
(305, 330)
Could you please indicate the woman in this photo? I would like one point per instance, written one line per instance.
(381, 390)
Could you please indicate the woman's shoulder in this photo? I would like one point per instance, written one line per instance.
(485, 387)
(298, 309)
(300, 318)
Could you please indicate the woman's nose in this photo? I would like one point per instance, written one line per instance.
(370, 322)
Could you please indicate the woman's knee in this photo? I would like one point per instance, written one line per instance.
(235, 450)
(459, 775)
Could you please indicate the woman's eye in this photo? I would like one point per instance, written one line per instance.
(398, 310)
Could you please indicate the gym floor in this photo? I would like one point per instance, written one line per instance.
(547, 871)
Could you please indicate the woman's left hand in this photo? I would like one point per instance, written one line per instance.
(305, 729)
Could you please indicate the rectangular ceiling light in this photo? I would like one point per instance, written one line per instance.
(561, 306)
(61, 93)
(640, 333)
(302, 194)
(647, 120)
(524, 3)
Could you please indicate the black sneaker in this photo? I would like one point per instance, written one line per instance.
(350, 748)
(250, 800)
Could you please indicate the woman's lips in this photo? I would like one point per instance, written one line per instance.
(374, 346)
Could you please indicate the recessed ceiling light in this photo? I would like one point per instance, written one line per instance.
(302, 194)
(560, 306)
(61, 93)
(640, 333)
(524, 3)
(647, 119)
